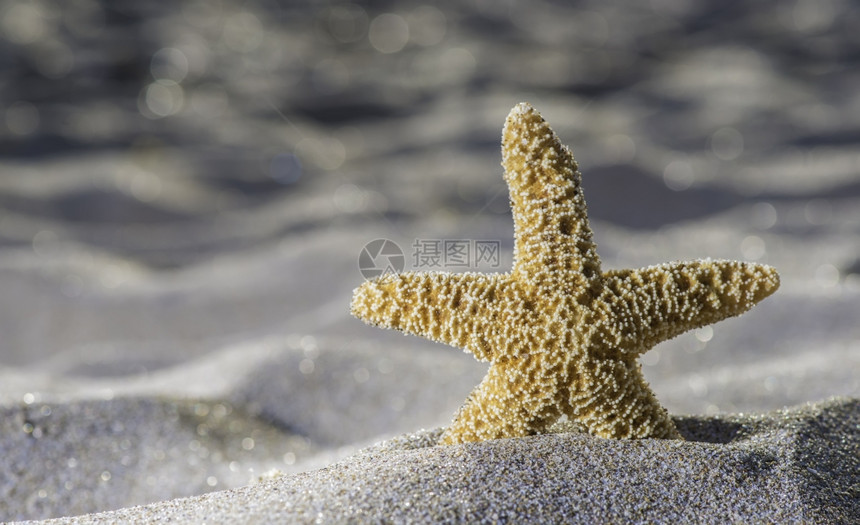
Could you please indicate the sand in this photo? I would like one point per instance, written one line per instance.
(186, 190)
(788, 466)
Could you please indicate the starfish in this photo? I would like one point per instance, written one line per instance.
(562, 335)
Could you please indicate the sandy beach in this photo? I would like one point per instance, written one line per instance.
(186, 190)
(789, 466)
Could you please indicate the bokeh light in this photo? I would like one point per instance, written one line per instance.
(753, 248)
(388, 33)
(346, 23)
(161, 99)
(727, 143)
(24, 23)
(169, 64)
(349, 198)
(53, 58)
(45, 243)
(622, 148)
(678, 175)
(827, 275)
(286, 168)
(763, 215)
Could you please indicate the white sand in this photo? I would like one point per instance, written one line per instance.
(788, 466)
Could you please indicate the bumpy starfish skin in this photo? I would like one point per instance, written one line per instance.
(563, 336)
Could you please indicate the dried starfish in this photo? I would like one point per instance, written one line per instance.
(563, 336)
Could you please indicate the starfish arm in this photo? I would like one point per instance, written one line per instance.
(613, 400)
(455, 309)
(515, 399)
(657, 303)
(554, 244)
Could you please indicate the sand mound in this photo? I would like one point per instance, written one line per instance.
(796, 465)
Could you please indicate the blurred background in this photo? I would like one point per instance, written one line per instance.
(179, 176)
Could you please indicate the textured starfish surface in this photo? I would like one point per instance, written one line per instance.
(563, 336)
